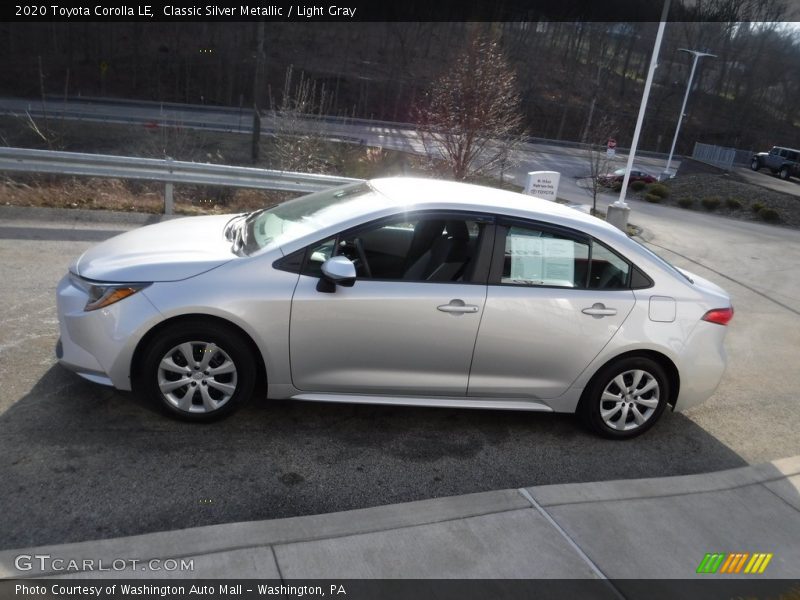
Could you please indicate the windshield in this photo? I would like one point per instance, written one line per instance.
(275, 225)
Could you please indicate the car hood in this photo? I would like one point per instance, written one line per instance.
(167, 251)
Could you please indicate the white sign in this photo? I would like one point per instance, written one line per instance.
(543, 184)
(541, 261)
(611, 152)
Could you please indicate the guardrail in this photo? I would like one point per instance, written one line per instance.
(24, 160)
(179, 115)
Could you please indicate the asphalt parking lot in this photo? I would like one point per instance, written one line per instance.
(81, 461)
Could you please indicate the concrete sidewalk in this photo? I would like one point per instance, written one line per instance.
(629, 529)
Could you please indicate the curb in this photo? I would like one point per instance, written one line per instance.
(232, 537)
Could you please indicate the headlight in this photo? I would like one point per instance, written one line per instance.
(105, 294)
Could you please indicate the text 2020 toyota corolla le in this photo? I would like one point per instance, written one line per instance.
(397, 291)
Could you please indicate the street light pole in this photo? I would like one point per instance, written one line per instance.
(697, 56)
(617, 213)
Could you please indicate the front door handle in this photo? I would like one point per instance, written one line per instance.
(457, 306)
(598, 309)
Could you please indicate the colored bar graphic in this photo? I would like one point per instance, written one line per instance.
(740, 564)
(728, 563)
(758, 564)
(710, 563)
(765, 563)
(725, 563)
(703, 564)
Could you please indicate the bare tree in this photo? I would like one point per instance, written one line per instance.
(598, 159)
(599, 164)
(299, 129)
(471, 116)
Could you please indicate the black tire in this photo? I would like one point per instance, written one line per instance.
(755, 165)
(223, 347)
(590, 405)
(784, 173)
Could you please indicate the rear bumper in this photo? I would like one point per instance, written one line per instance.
(703, 363)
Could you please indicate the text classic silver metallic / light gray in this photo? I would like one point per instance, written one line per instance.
(397, 291)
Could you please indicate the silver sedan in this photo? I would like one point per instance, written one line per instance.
(396, 291)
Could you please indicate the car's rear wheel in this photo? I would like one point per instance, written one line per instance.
(626, 398)
(754, 165)
(784, 173)
(198, 372)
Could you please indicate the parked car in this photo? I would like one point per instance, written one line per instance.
(783, 162)
(619, 175)
(396, 291)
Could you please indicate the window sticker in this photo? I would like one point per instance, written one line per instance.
(559, 262)
(526, 259)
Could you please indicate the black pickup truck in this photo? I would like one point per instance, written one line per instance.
(784, 162)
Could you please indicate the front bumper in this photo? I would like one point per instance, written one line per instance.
(98, 345)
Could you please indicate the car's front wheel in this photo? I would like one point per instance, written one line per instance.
(197, 371)
(626, 398)
(754, 165)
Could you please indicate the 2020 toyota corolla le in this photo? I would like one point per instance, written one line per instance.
(397, 291)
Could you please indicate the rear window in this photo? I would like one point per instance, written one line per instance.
(664, 262)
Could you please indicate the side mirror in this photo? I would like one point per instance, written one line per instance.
(337, 270)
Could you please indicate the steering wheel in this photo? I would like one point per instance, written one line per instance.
(362, 256)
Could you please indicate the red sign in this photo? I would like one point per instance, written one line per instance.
(612, 143)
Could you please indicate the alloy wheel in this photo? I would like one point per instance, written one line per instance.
(629, 400)
(197, 377)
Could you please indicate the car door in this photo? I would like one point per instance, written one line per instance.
(408, 324)
(555, 298)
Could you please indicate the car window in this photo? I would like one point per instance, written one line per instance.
(429, 248)
(541, 258)
(608, 271)
(318, 255)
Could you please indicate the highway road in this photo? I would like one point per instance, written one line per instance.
(571, 162)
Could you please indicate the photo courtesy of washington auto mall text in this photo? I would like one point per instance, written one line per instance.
(292, 11)
(122, 589)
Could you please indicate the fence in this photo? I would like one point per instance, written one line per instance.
(170, 172)
(724, 158)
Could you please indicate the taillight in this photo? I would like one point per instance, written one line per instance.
(720, 316)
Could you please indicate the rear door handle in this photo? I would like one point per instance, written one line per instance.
(598, 309)
(457, 306)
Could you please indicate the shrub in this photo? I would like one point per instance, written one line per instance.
(711, 203)
(654, 198)
(733, 203)
(756, 208)
(659, 189)
(637, 186)
(770, 215)
(685, 202)
(616, 186)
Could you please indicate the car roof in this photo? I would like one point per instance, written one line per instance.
(404, 194)
(417, 193)
(785, 148)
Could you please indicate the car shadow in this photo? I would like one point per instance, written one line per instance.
(83, 461)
